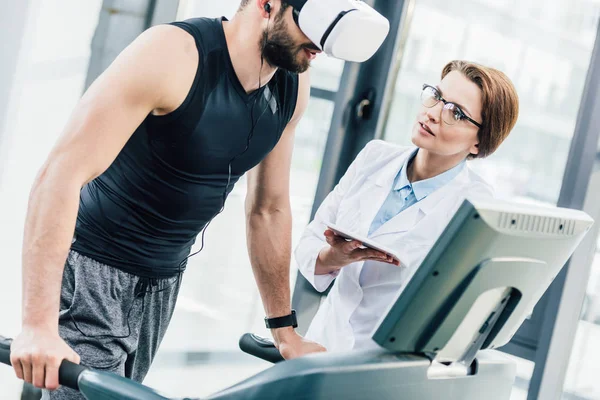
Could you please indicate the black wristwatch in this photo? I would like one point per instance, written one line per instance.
(280, 322)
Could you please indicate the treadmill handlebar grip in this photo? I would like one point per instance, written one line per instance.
(260, 347)
(68, 373)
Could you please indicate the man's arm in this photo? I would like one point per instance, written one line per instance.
(269, 230)
(140, 81)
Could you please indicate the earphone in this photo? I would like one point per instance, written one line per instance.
(259, 93)
(260, 90)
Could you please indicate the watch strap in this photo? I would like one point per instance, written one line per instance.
(281, 322)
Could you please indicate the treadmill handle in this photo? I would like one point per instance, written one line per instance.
(68, 373)
(260, 347)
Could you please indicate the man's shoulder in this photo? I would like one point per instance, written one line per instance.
(207, 33)
(169, 40)
(200, 24)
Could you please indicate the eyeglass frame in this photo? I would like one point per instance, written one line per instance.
(446, 102)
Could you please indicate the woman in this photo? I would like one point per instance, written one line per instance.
(402, 198)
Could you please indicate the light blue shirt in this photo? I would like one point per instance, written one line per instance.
(404, 193)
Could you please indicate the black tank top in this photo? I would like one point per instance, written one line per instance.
(142, 215)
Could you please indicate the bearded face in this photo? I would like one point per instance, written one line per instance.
(280, 49)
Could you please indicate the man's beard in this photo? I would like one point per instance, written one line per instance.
(279, 50)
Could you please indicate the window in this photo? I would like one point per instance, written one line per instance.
(545, 49)
(49, 80)
(581, 380)
(545, 56)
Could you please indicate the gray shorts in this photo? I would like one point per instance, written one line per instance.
(114, 320)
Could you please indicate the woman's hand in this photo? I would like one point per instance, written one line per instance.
(342, 252)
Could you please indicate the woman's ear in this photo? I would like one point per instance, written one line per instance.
(474, 149)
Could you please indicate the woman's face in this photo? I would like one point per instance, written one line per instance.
(433, 134)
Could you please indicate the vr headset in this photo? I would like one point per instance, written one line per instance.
(346, 29)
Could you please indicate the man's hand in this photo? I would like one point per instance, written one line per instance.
(342, 252)
(36, 355)
(292, 345)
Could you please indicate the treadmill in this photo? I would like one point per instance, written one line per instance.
(474, 289)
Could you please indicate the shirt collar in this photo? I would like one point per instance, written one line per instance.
(424, 188)
(402, 179)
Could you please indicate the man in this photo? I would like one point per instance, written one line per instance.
(144, 164)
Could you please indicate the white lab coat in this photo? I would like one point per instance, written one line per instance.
(353, 204)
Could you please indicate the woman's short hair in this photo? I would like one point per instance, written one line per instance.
(500, 103)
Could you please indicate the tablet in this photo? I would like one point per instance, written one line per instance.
(346, 234)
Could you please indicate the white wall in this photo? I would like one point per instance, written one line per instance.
(48, 80)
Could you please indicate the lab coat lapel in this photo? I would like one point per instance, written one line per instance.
(402, 222)
(408, 218)
(378, 187)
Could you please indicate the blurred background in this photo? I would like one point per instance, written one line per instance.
(53, 49)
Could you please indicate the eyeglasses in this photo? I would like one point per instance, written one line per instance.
(451, 113)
